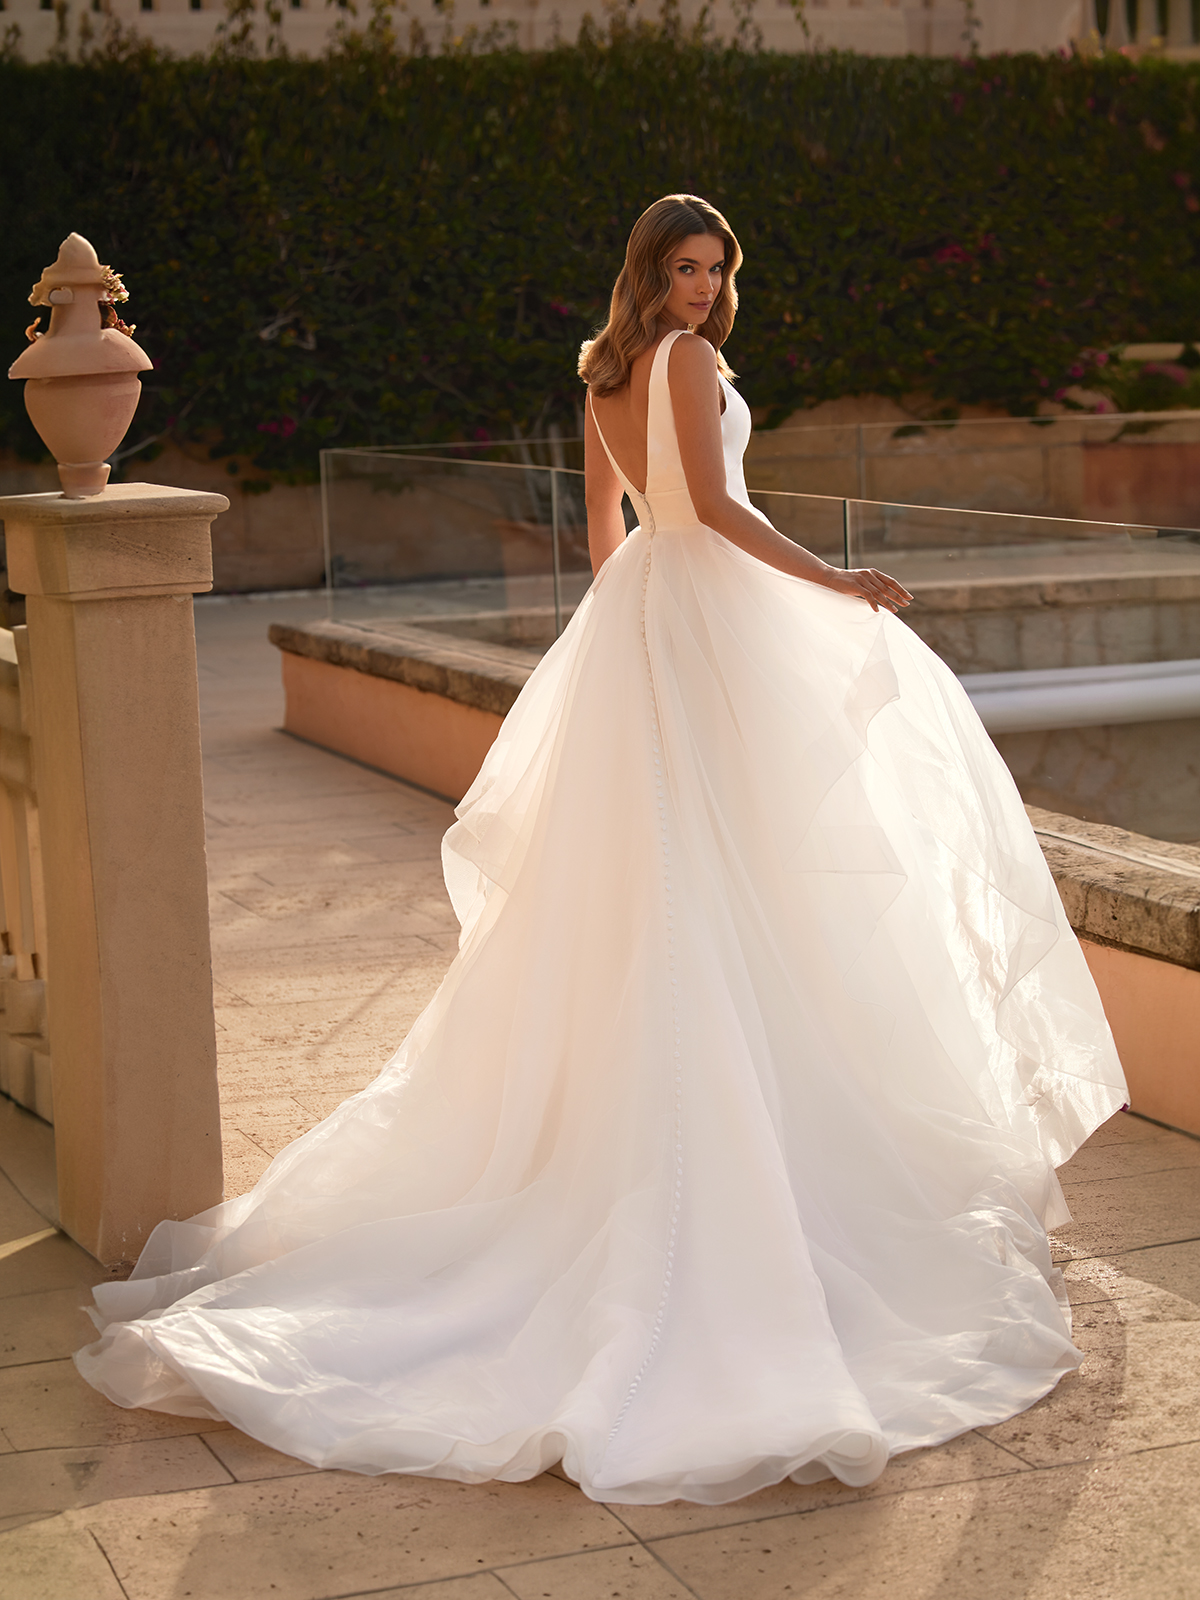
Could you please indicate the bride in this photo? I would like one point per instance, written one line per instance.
(726, 1149)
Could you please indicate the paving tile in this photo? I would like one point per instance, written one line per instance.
(388, 884)
(242, 1161)
(1165, 1275)
(375, 850)
(239, 925)
(596, 1575)
(1107, 1531)
(54, 1560)
(248, 1459)
(1124, 1127)
(303, 1538)
(265, 1072)
(224, 996)
(18, 1219)
(54, 1263)
(273, 1134)
(322, 1104)
(968, 1457)
(341, 811)
(255, 777)
(1126, 1213)
(235, 1106)
(38, 1327)
(309, 1024)
(48, 1406)
(228, 855)
(1131, 1158)
(330, 978)
(1138, 1388)
(55, 1480)
(1174, 1268)
(486, 1586)
(1085, 1286)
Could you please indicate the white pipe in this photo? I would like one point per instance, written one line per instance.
(1085, 697)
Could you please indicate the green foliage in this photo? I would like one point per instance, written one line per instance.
(377, 247)
(1150, 385)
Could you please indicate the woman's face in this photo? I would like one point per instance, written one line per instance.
(697, 267)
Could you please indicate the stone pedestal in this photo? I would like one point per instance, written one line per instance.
(116, 740)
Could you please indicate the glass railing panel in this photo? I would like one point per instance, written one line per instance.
(1003, 593)
(813, 520)
(552, 450)
(486, 549)
(1141, 467)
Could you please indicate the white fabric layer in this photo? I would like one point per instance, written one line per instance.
(725, 1149)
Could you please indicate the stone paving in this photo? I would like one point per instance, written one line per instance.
(330, 931)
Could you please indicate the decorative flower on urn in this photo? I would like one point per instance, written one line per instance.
(81, 377)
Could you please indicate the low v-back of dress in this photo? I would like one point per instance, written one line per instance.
(726, 1148)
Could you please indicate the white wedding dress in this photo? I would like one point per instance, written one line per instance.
(725, 1150)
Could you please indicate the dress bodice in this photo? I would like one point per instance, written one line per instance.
(666, 502)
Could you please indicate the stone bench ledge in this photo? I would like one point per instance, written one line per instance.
(1024, 593)
(1122, 889)
(471, 672)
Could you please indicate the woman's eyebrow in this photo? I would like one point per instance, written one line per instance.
(692, 261)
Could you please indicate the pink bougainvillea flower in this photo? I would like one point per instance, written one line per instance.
(1167, 369)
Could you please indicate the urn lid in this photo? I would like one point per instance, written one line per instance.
(77, 263)
(74, 286)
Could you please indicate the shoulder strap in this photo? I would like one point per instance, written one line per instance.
(621, 478)
(664, 469)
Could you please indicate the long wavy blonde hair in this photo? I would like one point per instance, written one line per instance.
(644, 283)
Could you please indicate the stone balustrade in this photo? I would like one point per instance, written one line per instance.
(25, 1074)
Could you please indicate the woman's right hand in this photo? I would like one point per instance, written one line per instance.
(866, 583)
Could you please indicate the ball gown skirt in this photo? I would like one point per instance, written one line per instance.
(726, 1149)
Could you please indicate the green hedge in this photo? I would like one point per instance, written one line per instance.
(373, 248)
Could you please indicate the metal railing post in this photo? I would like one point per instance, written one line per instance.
(555, 552)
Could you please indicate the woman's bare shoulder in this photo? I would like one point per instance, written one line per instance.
(692, 352)
(691, 357)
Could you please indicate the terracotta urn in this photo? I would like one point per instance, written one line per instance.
(81, 376)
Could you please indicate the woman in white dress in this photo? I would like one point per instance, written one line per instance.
(726, 1149)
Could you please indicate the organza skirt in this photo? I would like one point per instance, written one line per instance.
(725, 1151)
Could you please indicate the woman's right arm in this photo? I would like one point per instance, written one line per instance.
(692, 375)
(602, 494)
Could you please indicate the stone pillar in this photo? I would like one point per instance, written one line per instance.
(1118, 32)
(108, 582)
(1179, 24)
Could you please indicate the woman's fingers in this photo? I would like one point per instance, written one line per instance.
(880, 590)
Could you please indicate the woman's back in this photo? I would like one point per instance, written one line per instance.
(624, 417)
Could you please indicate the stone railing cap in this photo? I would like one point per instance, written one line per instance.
(133, 501)
(1124, 889)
